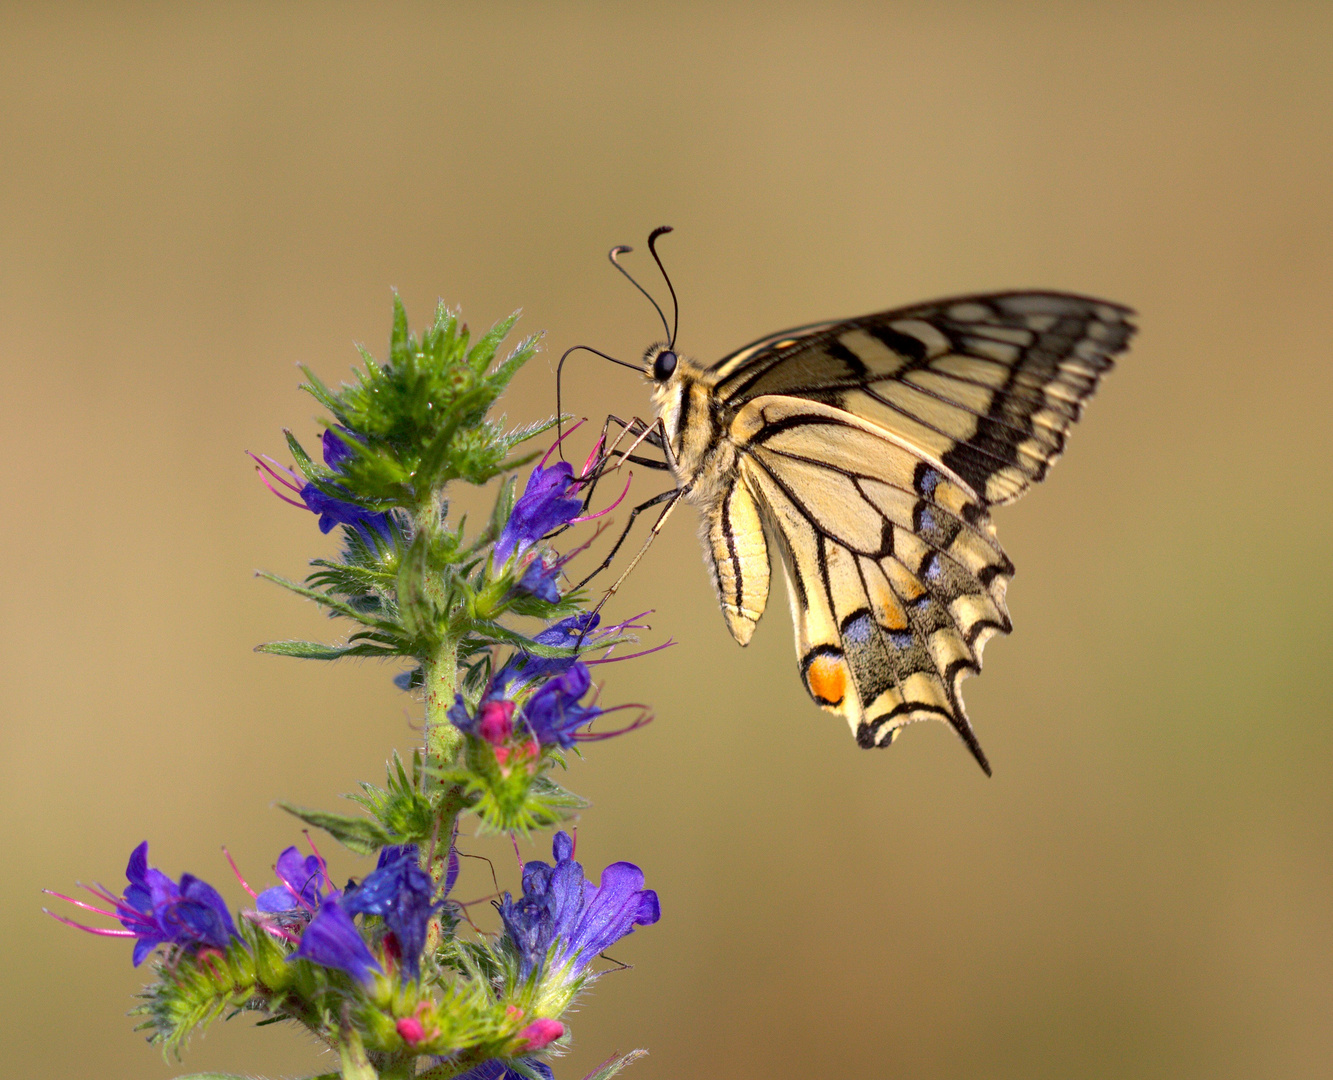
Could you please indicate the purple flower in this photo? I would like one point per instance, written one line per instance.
(544, 505)
(541, 579)
(495, 1069)
(566, 917)
(401, 893)
(331, 510)
(553, 714)
(494, 719)
(333, 941)
(303, 881)
(157, 911)
(336, 450)
(523, 668)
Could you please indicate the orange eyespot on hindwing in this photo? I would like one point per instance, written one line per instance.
(826, 675)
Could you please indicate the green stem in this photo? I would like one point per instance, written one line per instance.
(401, 1069)
(355, 1064)
(422, 590)
(440, 676)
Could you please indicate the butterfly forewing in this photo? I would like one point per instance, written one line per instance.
(988, 385)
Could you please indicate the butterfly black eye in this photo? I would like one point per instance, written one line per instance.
(664, 365)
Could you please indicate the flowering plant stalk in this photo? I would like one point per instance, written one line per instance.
(388, 972)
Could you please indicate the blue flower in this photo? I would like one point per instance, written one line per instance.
(541, 579)
(333, 511)
(401, 893)
(336, 450)
(566, 917)
(157, 911)
(333, 941)
(496, 1069)
(544, 505)
(373, 527)
(553, 714)
(523, 668)
(303, 881)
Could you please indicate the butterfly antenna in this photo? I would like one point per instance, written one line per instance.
(662, 230)
(559, 413)
(624, 249)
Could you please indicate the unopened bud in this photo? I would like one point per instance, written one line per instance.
(541, 1033)
(495, 723)
(411, 1030)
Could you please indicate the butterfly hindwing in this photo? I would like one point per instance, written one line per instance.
(987, 385)
(737, 555)
(894, 574)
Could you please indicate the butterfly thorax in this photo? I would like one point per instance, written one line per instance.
(697, 426)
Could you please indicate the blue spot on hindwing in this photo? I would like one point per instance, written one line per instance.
(856, 630)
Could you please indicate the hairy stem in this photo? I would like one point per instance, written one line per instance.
(440, 676)
(355, 1064)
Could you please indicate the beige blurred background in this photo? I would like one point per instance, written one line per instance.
(193, 200)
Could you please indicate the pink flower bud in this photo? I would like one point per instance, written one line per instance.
(411, 1031)
(495, 724)
(541, 1033)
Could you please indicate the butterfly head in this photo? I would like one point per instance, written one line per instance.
(659, 362)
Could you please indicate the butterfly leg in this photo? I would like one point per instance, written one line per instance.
(641, 433)
(655, 435)
(672, 499)
(654, 501)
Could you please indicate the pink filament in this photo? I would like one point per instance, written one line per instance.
(603, 513)
(632, 656)
(81, 904)
(644, 718)
(235, 870)
(98, 930)
(542, 464)
(587, 465)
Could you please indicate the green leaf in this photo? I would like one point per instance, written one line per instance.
(406, 814)
(531, 431)
(483, 352)
(399, 340)
(332, 603)
(504, 506)
(309, 650)
(321, 393)
(613, 1065)
(358, 834)
(303, 462)
(191, 993)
